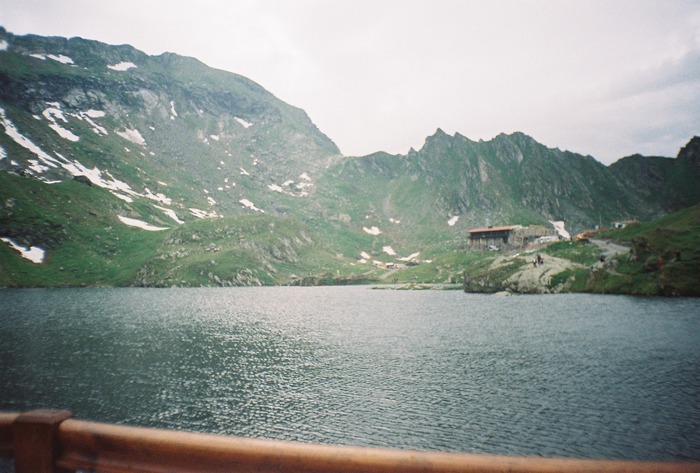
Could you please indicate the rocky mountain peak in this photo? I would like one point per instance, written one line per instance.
(691, 151)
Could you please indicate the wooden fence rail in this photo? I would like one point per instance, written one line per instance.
(47, 441)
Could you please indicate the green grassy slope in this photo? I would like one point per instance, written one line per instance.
(77, 226)
(664, 257)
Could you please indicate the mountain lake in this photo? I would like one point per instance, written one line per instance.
(566, 375)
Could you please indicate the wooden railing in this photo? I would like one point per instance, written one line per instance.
(51, 441)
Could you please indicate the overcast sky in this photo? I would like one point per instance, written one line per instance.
(607, 78)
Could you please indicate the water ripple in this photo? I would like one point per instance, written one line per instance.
(568, 375)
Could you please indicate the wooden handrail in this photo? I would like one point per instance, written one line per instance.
(6, 420)
(81, 445)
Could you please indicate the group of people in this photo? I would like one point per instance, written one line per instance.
(537, 260)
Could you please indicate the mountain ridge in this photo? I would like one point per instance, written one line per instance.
(203, 155)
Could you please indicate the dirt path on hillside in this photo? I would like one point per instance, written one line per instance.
(610, 249)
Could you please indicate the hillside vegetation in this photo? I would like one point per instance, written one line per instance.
(123, 169)
(659, 257)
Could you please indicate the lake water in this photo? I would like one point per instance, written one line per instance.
(554, 375)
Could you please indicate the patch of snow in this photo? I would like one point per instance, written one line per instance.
(211, 201)
(215, 138)
(451, 222)
(203, 213)
(244, 172)
(287, 183)
(63, 133)
(220, 189)
(52, 114)
(123, 197)
(132, 135)
(36, 167)
(170, 213)
(33, 253)
(95, 176)
(173, 112)
(410, 257)
(389, 250)
(89, 115)
(60, 58)
(44, 162)
(244, 123)
(4, 45)
(158, 197)
(561, 230)
(372, 230)
(365, 255)
(248, 204)
(276, 188)
(162, 183)
(122, 66)
(393, 220)
(11, 131)
(95, 113)
(303, 185)
(132, 222)
(3, 153)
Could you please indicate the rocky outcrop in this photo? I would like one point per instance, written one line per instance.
(524, 275)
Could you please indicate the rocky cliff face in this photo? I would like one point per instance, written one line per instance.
(513, 179)
(661, 185)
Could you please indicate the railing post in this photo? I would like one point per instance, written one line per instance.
(34, 440)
